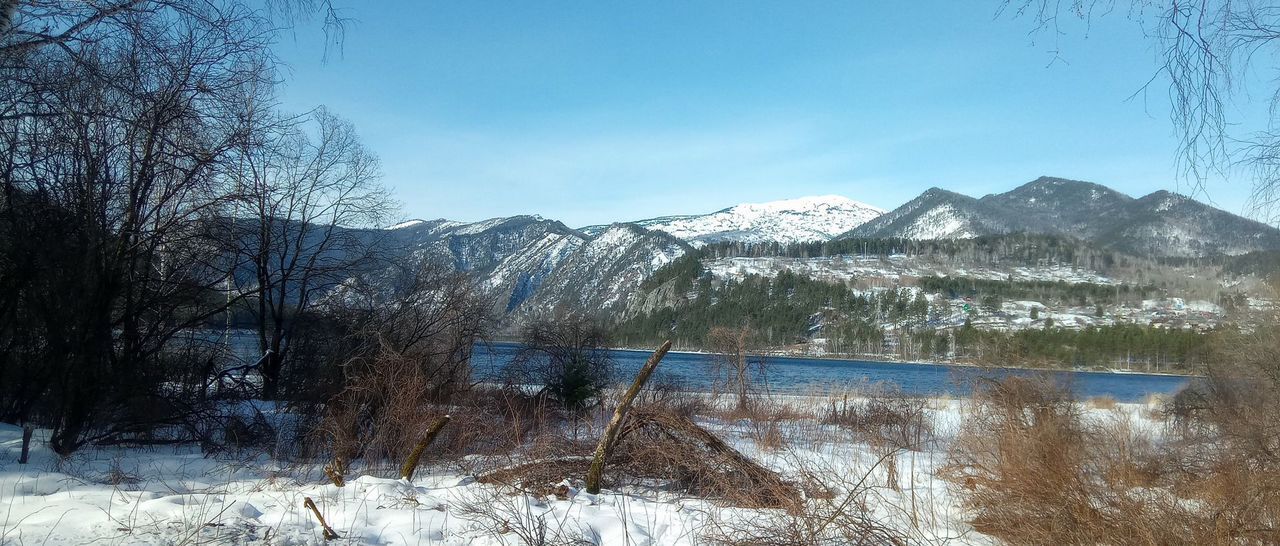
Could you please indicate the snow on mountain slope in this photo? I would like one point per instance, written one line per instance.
(477, 246)
(935, 214)
(941, 222)
(607, 270)
(531, 265)
(1159, 224)
(788, 221)
(407, 224)
(521, 274)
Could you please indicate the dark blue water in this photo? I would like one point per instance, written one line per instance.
(802, 375)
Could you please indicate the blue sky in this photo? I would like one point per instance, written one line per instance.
(590, 112)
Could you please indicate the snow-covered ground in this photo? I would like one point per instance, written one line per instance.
(176, 495)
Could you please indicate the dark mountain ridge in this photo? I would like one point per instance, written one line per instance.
(1159, 224)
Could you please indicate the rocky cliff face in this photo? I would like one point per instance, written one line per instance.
(531, 265)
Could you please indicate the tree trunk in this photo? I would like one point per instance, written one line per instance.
(611, 431)
(271, 365)
(26, 444)
(411, 464)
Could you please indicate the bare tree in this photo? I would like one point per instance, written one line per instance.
(1207, 50)
(568, 356)
(412, 333)
(115, 150)
(738, 366)
(30, 25)
(309, 190)
(125, 127)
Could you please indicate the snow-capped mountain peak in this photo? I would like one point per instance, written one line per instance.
(803, 204)
(407, 224)
(816, 218)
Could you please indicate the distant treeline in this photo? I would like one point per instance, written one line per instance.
(1009, 249)
(1122, 345)
(1080, 293)
(899, 323)
(1263, 263)
(784, 309)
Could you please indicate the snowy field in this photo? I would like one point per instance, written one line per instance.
(176, 495)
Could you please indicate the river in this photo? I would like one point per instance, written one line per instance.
(794, 375)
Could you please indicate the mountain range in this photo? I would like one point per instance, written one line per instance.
(1159, 224)
(533, 265)
(788, 221)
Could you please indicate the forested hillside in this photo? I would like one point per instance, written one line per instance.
(1063, 324)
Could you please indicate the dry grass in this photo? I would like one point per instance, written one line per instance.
(1101, 402)
(837, 509)
(883, 417)
(1031, 470)
(381, 415)
(505, 517)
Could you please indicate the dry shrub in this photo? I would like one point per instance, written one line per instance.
(670, 395)
(541, 477)
(1127, 456)
(768, 423)
(732, 408)
(405, 357)
(1018, 457)
(767, 434)
(837, 509)
(521, 520)
(664, 445)
(381, 414)
(1031, 471)
(503, 420)
(504, 427)
(663, 450)
(883, 416)
(823, 522)
(738, 366)
(1102, 402)
(1228, 440)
